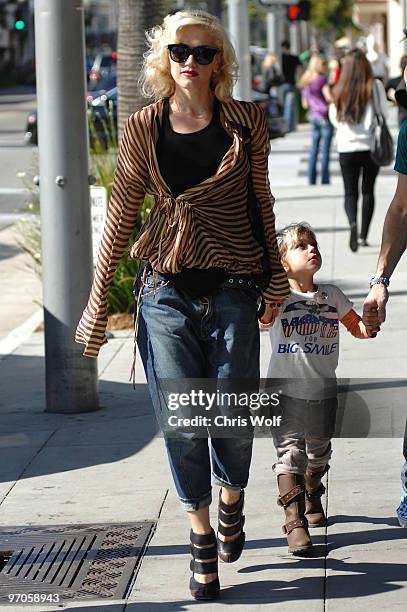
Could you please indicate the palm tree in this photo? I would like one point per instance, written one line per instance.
(135, 17)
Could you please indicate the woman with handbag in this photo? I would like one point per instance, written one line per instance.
(316, 96)
(355, 97)
(271, 75)
(197, 306)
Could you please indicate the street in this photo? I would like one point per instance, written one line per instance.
(15, 156)
(23, 296)
(110, 466)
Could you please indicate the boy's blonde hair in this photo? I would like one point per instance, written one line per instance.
(155, 78)
(293, 233)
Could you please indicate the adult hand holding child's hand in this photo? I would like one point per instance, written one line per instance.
(269, 316)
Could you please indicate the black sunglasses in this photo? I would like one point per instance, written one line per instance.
(202, 55)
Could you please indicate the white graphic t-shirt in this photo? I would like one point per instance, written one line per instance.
(305, 342)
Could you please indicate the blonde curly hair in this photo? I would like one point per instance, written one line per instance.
(294, 233)
(155, 78)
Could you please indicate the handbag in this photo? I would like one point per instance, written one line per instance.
(382, 148)
(271, 77)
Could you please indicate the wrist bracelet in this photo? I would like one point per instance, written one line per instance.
(379, 280)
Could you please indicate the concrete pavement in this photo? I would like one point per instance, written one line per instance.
(110, 466)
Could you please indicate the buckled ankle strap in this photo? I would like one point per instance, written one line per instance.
(317, 493)
(288, 527)
(287, 498)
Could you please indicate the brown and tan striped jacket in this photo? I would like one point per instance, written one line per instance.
(206, 226)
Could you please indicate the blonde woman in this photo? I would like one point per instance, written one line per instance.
(271, 74)
(316, 96)
(198, 296)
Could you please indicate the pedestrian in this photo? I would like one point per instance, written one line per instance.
(392, 248)
(290, 65)
(271, 80)
(271, 75)
(316, 96)
(197, 315)
(352, 114)
(378, 60)
(305, 349)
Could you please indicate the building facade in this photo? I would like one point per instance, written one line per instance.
(385, 19)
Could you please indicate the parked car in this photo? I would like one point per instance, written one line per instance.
(104, 64)
(98, 101)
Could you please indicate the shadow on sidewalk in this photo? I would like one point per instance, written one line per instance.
(31, 439)
(353, 580)
(355, 518)
(7, 251)
(367, 579)
(320, 541)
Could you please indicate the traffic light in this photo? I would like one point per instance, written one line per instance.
(300, 11)
(19, 21)
(19, 25)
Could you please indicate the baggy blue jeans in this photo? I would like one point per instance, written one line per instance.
(289, 92)
(322, 130)
(214, 337)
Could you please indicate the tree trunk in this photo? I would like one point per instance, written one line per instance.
(135, 17)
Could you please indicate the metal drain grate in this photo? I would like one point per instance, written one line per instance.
(71, 561)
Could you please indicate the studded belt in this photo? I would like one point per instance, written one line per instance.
(240, 281)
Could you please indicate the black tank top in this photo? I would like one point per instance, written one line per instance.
(186, 160)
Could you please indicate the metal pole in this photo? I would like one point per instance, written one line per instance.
(71, 380)
(294, 38)
(238, 20)
(272, 32)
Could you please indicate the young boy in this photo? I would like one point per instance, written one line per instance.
(305, 349)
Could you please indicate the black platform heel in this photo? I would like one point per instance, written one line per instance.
(230, 551)
(200, 564)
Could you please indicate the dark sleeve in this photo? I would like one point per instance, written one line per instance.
(401, 94)
(392, 84)
(401, 154)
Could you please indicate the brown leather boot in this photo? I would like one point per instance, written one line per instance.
(314, 489)
(292, 499)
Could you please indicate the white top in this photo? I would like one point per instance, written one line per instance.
(305, 342)
(379, 63)
(358, 137)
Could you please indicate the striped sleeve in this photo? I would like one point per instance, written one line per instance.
(278, 289)
(127, 196)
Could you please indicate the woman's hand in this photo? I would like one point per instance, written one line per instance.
(269, 316)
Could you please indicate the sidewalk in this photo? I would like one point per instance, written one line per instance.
(111, 466)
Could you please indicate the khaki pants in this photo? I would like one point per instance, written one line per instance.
(304, 436)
